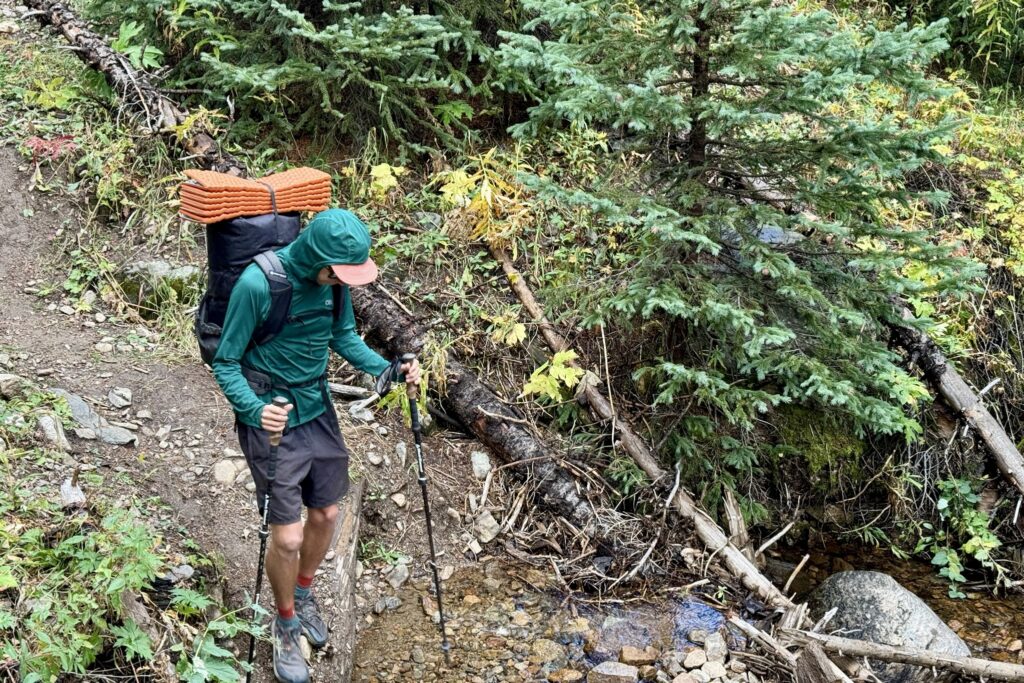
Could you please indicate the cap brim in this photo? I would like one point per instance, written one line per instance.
(356, 275)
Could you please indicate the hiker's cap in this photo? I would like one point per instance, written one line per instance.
(356, 274)
(337, 239)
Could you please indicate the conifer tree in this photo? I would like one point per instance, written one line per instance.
(761, 220)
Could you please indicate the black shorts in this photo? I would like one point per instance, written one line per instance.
(312, 466)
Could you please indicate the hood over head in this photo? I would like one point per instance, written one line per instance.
(334, 237)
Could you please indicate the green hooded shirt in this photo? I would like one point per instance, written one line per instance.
(298, 354)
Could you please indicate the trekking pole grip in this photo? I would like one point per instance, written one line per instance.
(275, 438)
(411, 390)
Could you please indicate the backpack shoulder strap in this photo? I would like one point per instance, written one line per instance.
(339, 300)
(280, 297)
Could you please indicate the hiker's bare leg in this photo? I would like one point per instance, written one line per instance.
(283, 562)
(316, 539)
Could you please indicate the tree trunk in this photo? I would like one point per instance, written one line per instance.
(926, 355)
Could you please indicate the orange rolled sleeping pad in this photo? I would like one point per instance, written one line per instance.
(211, 197)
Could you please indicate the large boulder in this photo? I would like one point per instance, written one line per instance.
(872, 606)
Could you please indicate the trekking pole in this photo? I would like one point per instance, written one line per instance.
(414, 414)
(275, 441)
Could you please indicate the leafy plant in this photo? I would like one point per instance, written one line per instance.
(553, 379)
(141, 56)
(963, 532)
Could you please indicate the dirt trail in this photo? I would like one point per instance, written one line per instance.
(58, 349)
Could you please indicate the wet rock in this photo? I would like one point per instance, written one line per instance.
(714, 670)
(120, 397)
(52, 432)
(520, 618)
(716, 648)
(874, 607)
(672, 662)
(697, 635)
(637, 657)
(398, 575)
(695, 659)
(481, 464)
(486, 527)
(547, 653)
(613, 672)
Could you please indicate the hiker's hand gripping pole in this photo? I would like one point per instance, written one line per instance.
(412, 391)
(275, 441)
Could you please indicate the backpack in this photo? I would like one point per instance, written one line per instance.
(230, 247)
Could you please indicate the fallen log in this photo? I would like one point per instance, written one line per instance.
(968, 666)
(601, 408)
(923, 352)
(346, 548)
(156, 112)
(495, 423)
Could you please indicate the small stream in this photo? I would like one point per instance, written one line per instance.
(508, 623)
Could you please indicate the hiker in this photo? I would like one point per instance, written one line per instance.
(328, 257)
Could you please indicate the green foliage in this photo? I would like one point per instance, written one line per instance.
(204, 661)
(140, 56)
(189, 603)
(963, 532)
(728, 114)
(554, 379)
(987, 36)
(332, 68)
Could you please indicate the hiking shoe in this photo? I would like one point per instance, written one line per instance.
(289, 664)
(312, 625)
